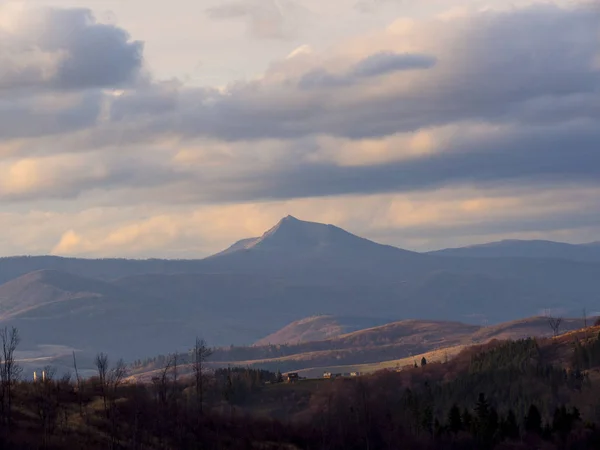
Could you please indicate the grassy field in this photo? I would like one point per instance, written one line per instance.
(432, 356)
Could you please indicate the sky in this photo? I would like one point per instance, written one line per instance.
(145, 128)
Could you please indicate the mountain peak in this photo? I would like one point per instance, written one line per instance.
(293, 232)
(293, 237)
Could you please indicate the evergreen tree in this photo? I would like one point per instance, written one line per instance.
(427, 420)
(423, 361)
(482, 408)
(467, 419)
(509, 427)
(455, 423)
(533, 420)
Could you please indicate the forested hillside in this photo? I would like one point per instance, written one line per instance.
(531, 393)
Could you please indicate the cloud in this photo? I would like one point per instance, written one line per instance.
(64, 49)
(516, 155)
(425, 220)
(387, 62)
(491, 66)
(68, 176)
(267, 19)
(34, 114)
(374, 65)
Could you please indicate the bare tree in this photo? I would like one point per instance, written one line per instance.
(554, 323)
(161, 385)
(161, 381)
(47, 403)
(78, 380)
(102, 367)
(201, 353)
(9, 369)
(175, 361)
(117, 375)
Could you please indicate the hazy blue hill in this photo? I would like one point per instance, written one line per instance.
(58, 308)
(103, 269)
(527, 249)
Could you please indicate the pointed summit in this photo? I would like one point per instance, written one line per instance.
(292, 237)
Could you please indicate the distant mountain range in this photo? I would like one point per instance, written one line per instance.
(135, 308)
(514, 248)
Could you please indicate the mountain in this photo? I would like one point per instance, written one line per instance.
(302, 250)
(317, 328)
(301, 238)
(297, 269)
(527, 249)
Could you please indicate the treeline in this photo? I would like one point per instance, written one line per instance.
(262, 356)
(587, 354)
(503, 395)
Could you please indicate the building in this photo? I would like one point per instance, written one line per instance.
(331, 375)
(291, 377)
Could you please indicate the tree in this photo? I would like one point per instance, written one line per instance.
(78, 380)
(117, 374)
(554, 323)
(161, 385)
(467, 419)
(454, 420)
(482, 408)
(533, 420)
(509, 426)
(46, 398)
(423, 361)
(201, 353)
(9, 370)
(102, 368)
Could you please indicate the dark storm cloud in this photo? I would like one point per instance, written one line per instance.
(556, 156)
(67, 49)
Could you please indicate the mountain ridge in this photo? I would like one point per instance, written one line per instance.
(537, 248)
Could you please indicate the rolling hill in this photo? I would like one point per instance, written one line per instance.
(317, 328)
(377, 347)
